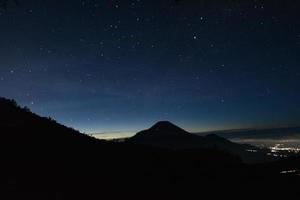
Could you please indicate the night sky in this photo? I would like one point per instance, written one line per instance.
(104, 66)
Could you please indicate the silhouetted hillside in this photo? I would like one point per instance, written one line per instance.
(168, 135)
(41, 159)
(24, 132)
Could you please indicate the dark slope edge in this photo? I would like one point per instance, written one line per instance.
(41, 159)
(167, 135)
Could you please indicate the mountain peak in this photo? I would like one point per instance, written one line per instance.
(162, 129)
(166, 126)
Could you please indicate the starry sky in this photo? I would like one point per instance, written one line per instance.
(118, 66)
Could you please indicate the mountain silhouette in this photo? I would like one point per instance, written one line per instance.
(163, 130)
(165, 134)
(162, 126)
(42, 159)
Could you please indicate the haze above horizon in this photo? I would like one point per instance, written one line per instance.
(120, 66)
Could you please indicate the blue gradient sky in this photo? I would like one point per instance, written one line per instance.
(120, 66)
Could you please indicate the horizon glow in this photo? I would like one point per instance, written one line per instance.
(117, 67)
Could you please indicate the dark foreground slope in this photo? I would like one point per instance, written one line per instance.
(41, 159)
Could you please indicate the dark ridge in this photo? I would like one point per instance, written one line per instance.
(165, 134)
(215, 137)
(165, 127)
(22, 123)
(162, 131)
(43, 159)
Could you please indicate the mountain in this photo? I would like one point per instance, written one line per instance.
(164, 134)
(42, 159)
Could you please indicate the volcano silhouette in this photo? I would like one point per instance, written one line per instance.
(44, 158)
(163, 129)
(165, 134)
